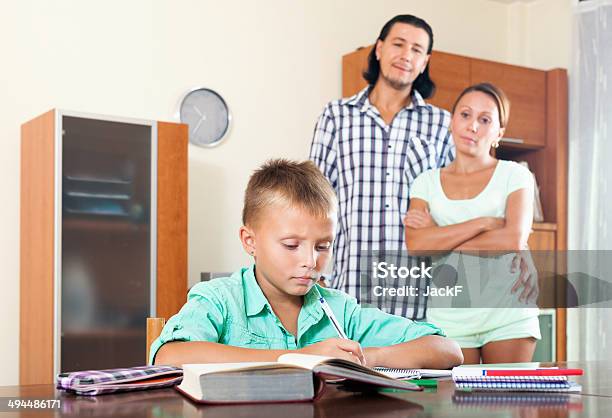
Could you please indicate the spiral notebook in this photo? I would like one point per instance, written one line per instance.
(406, 374)
(515, 379)
(501, 400)
(518, 386)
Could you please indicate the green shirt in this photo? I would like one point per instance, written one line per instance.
(234, 311)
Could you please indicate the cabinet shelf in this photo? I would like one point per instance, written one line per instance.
(104, 225)
(544, 226)
(506, 144)
(105, 333)
(91, 179)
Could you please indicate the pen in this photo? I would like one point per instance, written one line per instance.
(332, 318)
(428, 383)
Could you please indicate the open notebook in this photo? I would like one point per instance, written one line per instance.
(406, 374)
(293, 378)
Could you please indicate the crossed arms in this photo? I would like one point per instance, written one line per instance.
(483, 234)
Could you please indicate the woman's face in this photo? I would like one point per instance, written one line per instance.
(475, 124)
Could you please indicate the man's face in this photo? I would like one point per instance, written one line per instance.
(292, 248)
(402, 55)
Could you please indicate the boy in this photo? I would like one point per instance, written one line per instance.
(275, 306)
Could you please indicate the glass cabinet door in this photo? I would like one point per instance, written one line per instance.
(105, 243)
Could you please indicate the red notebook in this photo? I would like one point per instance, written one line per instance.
(503, 371)
(536, 372)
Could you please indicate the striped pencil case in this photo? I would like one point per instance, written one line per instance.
(98, 382)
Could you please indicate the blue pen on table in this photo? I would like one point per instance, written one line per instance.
(332, 318)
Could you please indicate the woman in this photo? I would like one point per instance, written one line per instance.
(477, 203)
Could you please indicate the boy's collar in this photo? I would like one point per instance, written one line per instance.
(255, 300)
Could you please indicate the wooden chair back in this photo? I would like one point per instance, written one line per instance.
(154, 329)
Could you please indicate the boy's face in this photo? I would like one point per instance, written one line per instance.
(291, 248)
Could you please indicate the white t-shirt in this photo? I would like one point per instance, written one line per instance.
(508, 177)
(487, 280)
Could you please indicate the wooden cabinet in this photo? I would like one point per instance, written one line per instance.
(543, 237)
(451, 73)
(537, 134)
(103, 239)
(526, 89)
(542, 243)
(353, 66)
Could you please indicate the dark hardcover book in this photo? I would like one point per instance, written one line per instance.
(293, 378)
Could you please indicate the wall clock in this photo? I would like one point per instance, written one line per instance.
(207, 115)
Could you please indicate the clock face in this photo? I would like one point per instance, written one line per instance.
(207, 115)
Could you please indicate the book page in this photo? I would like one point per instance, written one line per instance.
(307, 361)
(310, 361)
(206, 368)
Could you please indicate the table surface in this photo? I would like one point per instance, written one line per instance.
(443, 401)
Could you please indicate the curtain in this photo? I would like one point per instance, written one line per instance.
(590, 174)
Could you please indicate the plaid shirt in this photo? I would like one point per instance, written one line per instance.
(371, 166)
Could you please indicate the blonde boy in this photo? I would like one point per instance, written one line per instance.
(274, 306)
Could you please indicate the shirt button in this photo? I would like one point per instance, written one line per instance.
(389, 146)
(387, 205)
(388, 173)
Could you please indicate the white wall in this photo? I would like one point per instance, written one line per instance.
(276, 62)
(539, 33)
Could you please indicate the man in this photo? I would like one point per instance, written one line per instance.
(371, 147)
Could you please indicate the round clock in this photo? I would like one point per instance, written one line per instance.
(207, 115)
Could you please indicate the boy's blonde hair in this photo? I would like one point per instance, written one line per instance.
(291, 183)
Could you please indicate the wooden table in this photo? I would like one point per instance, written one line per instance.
(443, 401)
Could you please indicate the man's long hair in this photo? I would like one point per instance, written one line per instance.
(423, 83)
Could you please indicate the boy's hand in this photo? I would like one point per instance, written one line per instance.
(372, 356)
(338, 348)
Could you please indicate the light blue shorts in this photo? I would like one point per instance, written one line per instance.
(524, 328)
